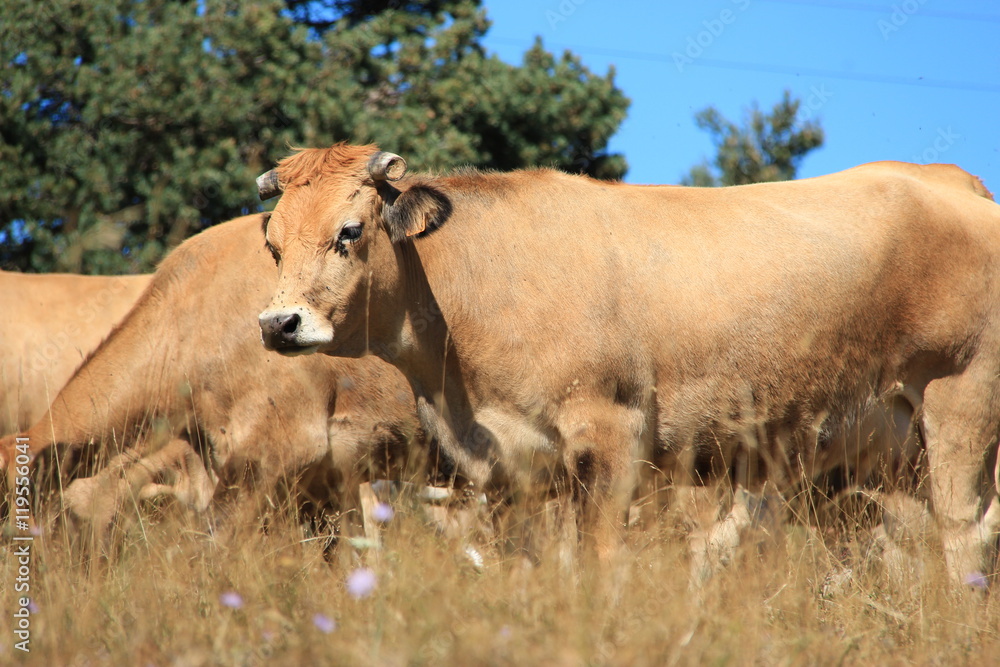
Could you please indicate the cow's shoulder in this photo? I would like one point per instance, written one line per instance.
(947, 175)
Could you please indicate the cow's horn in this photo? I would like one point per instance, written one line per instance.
(386, 166)
(268, 185)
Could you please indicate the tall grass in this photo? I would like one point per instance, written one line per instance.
(174, 592)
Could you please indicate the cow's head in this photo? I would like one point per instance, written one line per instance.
(332, 235)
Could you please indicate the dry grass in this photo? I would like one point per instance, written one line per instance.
(157, 601)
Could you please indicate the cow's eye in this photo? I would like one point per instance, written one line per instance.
(350, 232)
(274, 252)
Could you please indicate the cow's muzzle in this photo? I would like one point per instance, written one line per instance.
(280, 332)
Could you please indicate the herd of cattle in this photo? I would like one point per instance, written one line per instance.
(533, 336)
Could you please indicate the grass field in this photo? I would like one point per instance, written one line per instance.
(172, 594)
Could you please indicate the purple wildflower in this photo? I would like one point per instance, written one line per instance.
(325, 624)
(383, 513)
(231, 599)
(361, 583)
(977, 580)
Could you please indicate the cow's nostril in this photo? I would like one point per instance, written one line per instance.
(289, 323)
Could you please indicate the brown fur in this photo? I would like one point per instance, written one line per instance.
(560, 328)
(187, 363)
(309, 164)
(50, 323)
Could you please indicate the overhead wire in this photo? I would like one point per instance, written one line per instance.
(919, 81)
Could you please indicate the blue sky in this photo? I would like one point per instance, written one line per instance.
(914, 80)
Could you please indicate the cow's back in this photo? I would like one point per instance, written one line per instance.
(50, 323)
(774, 303)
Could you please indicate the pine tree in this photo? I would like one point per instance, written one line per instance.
(767, 147)
(127, 126)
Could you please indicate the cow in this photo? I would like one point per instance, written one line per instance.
(548, 321)
(182, 399)
(51, 321)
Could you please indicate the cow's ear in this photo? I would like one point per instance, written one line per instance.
(417, 210)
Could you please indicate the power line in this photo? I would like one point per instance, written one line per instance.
(920, 82)
(887, 10)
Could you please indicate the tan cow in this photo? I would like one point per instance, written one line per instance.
(186, 366)
(734, 333)
(50, 322)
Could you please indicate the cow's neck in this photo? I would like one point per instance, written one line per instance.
(419, 341)
(421, 346)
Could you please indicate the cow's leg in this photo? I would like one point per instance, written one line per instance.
(530, 526)
(369, 501)
(95, 501)
(715, 514)
(193, 485)
(99, 499)
(355, 503)
(905, 532)
(961, 420)
(603, 443)
(715, 546)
